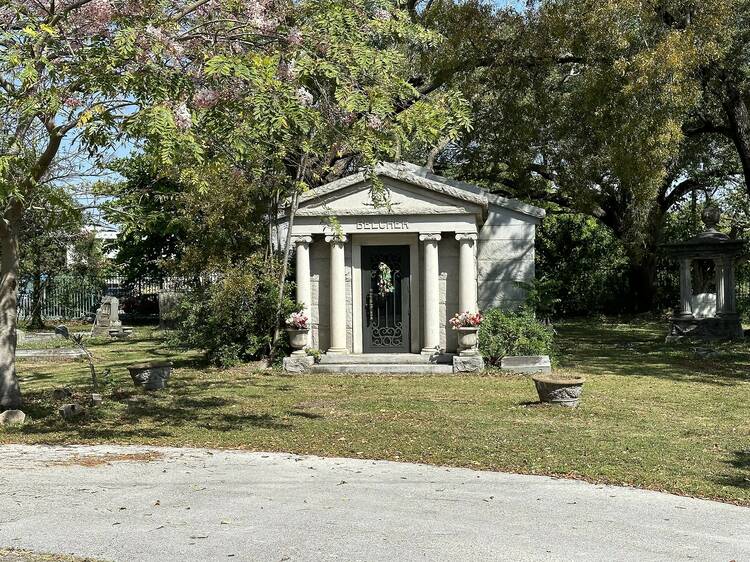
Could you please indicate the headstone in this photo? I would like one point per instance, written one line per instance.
(704, 305)
(12, 417)
(96, 400)
(527, 364)
(168, 304)
(70, 411)
(107, 317)
(20, 336)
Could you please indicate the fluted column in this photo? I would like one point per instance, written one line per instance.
(431, 292)
(686, 289)
(730, 299)
(719, 266)
(337, 322)
(467, 276)
(304, 291)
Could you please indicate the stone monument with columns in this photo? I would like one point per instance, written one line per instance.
(380, 283)
(723, 251)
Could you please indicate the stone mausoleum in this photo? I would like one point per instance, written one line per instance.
(707, 316)
(380, 283)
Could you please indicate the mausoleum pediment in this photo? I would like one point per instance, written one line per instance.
(410, 190)
(402, 199)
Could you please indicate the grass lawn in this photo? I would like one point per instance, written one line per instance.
(653, 415)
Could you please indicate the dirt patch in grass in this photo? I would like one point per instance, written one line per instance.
(92, 461)
(16, 555)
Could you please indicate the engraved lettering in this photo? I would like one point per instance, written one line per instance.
(380, 224)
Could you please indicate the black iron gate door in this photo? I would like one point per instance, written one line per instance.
(385, 295)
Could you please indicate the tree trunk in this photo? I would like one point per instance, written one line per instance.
(642, 279)
(10, 392)
(739, 121)
(643, 261)
(285, 265)
(37, 301)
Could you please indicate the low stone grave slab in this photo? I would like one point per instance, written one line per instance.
(37, 337)
(526, 364)
(298, 363)
(468, 364)
(67, 354)
(12, 417)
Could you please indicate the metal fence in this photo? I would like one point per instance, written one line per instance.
(73, 298)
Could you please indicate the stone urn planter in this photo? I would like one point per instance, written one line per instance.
(560, 390)
(298, 339)
(467, 340)
(152, 375)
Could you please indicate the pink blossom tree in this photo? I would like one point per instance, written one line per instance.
(85, 74)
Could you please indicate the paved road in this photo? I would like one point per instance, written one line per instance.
(194, 504)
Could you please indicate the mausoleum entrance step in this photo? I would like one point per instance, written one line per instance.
(387, 359)
(383, 369)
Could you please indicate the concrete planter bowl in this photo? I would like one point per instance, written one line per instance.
(297, 338)
(560, 390)
(152, 375)
(467, 338)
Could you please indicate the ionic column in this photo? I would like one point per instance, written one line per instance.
(304, 291)
(686, 289)
(730, 299)
(337, 322)
(467, 278)
(431, 292)
(719, 267)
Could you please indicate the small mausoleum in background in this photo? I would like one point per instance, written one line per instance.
(378, 280)
(707, 316)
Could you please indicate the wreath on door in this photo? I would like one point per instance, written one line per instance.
(385, 279)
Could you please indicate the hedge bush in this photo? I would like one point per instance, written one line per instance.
(233, 318)
(513, 333)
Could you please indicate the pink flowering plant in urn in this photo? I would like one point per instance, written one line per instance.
(467, 325)
(297, 321)
(297, 326)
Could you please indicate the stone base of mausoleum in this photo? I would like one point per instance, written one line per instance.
(389, 364)
(727, 326)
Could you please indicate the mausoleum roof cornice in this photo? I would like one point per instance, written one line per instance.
(421, 177)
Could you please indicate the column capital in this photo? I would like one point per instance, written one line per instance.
(466, 237)
(302, 239)
(430, 237)
(336, 238)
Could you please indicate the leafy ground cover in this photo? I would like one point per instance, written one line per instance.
(665, 417)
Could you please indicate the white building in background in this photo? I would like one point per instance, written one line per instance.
(102, 233)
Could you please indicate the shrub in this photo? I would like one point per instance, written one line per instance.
(232, 318)
(513, 333)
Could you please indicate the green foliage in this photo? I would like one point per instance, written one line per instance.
(513, 333)
(616, 110)
(233, 318)
(584, 264)
(542, 296)
(316, 354)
